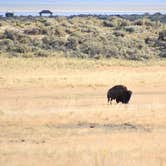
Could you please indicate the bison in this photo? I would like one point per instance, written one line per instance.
(120, 93)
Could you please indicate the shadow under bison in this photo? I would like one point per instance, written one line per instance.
(120, 93)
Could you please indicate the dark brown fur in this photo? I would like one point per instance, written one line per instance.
(120, 93)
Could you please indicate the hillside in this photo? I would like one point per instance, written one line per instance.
(134, 37)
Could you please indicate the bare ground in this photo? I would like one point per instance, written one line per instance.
(70, 123)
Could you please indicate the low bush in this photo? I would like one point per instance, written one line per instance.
(162, 35)
(134, 37)
(33, 31)
(6, 44)
(42, 53)
(119, 34)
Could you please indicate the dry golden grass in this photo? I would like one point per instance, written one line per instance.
(53, 111)
(45, 72)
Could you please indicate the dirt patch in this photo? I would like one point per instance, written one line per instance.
(111, 127)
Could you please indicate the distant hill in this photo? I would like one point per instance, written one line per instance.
(154, 17)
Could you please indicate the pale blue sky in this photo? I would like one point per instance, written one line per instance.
(84, 5)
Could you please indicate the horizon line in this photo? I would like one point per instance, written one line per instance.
(86, 11)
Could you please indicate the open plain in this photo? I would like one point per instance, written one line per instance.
(54, 111)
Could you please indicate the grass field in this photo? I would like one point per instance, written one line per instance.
(53, 111)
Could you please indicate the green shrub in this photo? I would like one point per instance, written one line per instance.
(15, 36)
(42, 53)
(125, 23)
(8, 34)
(28, 55)
(72, 43)
(33, 31)
(116, 22)
(130, 29)
(51, 42)
(107, 23)
(150, 41)
(6, 44)
(131, 36)
(148, 22)
(20, 48)
(119, 34)
(162, 35)
(163, 54)
(59, 31)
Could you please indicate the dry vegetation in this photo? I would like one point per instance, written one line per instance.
(53, 111)
(137, 37)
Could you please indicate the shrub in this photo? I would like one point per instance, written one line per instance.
(125, 23)
(8, 34)
(59, 31)
(72, 43)
(163, 54)
(6, 44)
(33, 31)
(115, 22)
(144, 21)
(47, 24)
(107, 23)
(139, 22)
(111, 51)
(15, 36)
(149, 41)
(130, 29)
(119, 34)
(42, 53)
(148, 22)
(20, 48)
(135, 54)
(28, 55)
(52, 42)
(162, 35)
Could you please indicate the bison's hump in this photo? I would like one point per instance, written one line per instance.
(120, 93)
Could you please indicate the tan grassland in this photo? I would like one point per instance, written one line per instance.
(54, 112)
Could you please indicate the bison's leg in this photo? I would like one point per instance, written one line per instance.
(117, 100)
(124, 100)
(110, 101)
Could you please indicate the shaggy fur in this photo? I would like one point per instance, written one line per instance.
(120, 93)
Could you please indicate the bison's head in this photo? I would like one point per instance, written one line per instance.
(127, 96)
